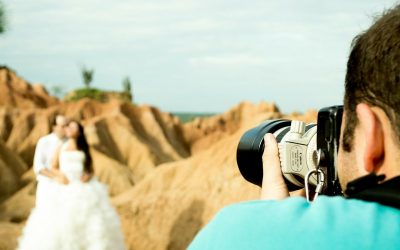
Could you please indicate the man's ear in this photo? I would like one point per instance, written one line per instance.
(371, 130)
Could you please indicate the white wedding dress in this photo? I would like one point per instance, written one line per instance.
(77, 216)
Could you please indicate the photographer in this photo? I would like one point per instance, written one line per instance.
(368, 166)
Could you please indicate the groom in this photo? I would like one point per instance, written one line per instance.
(44, 153)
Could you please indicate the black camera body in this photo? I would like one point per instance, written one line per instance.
(328, 135)
(302, 148)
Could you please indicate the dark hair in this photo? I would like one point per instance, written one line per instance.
(82, 145)
(373, 73)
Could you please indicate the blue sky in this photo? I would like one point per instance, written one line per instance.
(186, 55)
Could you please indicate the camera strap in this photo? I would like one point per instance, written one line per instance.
(370, 188)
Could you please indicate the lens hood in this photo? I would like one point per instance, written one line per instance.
(251, 148)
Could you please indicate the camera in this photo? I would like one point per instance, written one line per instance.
(302, 148)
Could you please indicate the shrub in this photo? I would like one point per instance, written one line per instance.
(91, 93)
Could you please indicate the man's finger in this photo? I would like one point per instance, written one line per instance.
(273, 185)
(271, 163)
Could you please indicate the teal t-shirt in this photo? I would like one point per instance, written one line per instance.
(328, 223)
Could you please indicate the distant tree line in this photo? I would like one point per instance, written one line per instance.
(87, 78)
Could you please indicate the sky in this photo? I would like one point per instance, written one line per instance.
(187, 55)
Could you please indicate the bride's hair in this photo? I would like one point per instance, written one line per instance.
(82, 145)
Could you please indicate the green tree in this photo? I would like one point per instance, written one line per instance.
(87, 76)
(127, 88)
(2, 18)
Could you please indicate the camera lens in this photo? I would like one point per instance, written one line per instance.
(297, 146)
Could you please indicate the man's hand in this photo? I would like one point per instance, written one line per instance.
(273, 184)
(61, 178)
(47, 172)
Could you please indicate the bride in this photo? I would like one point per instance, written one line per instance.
(79, 215)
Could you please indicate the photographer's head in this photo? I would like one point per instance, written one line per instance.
(371, 123)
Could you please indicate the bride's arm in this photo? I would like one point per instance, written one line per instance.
(88, 173)
(86, 177)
